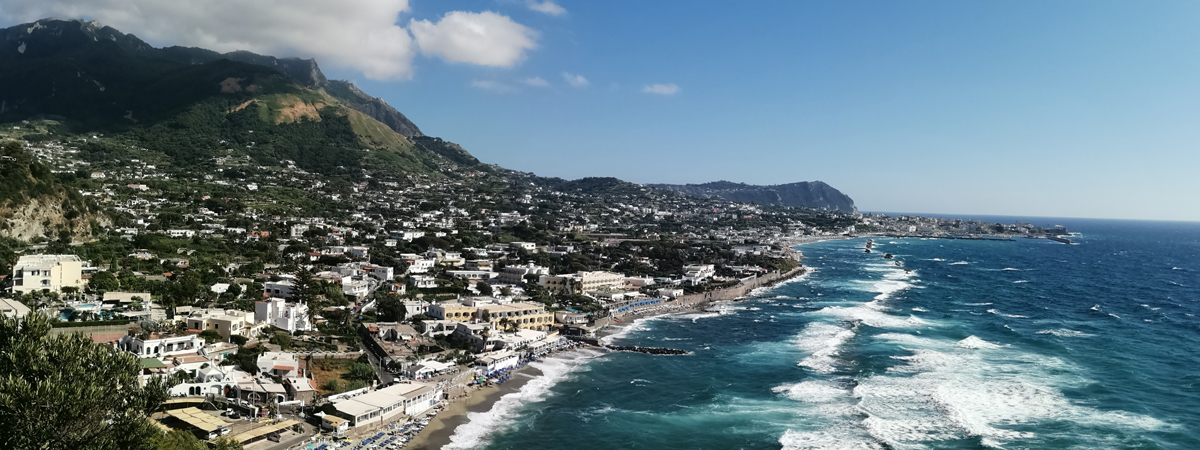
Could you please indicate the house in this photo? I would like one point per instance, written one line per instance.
(226, 323)
(12, 308)
(161, 346)
(181, 233)
(482, 275)
(282, 288)
(280, 364)
(524, 246)
(356, 288)
(504, 359)
(34, 273)
(516, 274)
(290, 317)
(571, 318)
(297, 231)
(581, 282)
(424, 281)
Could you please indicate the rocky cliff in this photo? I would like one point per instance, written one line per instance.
(805, 194)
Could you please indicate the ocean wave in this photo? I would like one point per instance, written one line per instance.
(975, 343)
(1021, 281)
(822, 341)
(918, 309)
(960, 393)
(1063, 332)
(1009, 269)
(870, 314)
(812, 391)
(638, 324)
(1012, 316)
(959, 263)
(480, 425)
(937, 259)
(826, 440)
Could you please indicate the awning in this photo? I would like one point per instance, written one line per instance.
(197, 418)
(256, 433)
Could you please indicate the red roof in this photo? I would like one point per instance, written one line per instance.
(283, 368)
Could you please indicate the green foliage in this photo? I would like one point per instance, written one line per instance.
(65, 392)
(210, 336)
(283, 340)
(103, 281)
(390, 307)
(360, 371)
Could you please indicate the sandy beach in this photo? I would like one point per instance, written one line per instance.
(438, 433)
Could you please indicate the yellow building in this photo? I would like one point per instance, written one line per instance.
(526, 315)
(451, 311)
(51, 273)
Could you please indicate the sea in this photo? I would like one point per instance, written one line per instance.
(1025, 344)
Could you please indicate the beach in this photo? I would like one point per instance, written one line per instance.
(441, 428)
(482, 400)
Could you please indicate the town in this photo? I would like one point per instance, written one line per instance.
(287, 308)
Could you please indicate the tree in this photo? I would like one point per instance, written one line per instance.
(283, 340)
(239, 339)
(210, 336)
(103, 282)
(484, 288)
(390, 307)
(65, 392)
(178, 440)
(360, 371)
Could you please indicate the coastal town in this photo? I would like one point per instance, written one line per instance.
(285, 312)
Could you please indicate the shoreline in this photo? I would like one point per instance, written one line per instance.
(480, 400)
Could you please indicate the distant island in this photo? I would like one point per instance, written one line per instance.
(805, 194)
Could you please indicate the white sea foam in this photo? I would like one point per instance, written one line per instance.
(480, 425)
(822, 341)
(870, 314)
(1114, 315)
(697, 316)
(959, 263)
(957, 392)
(812, 391)
(1009, 268)
(1021, 281)
(1013, 316)
(832, 439)
(974, 343)
(938, 259)
(1063, 332)
(977, 304)
(918, 309)
(639, 324)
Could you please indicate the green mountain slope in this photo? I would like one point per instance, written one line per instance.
(194, 105)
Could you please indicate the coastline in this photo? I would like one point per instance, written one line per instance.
(480, 400)
(442, 428)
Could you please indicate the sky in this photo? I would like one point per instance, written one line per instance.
(1030, 108)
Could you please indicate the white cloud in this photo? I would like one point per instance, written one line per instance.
(547, 7)
(575, 80)
(492, 86)
(661, 89)
(486, 38)
(358, 34)
(537, 82)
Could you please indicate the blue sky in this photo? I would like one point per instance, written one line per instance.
(1064, 109)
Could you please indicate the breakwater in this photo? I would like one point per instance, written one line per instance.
(647, 350)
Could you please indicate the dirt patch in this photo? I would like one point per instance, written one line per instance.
(298, 110)
(231, 85)
(243, 105)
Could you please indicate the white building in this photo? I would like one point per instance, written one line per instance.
(159, 346)
(290, 317)
(281, 288)
(13, 308)
(516, 274)
(282, 364)
(384, 405)
(34, 273)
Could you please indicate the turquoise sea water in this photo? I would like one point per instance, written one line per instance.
(1020, 345)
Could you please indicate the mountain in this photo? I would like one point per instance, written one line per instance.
(805, 194)
(58, 65)
(189, 103)
(34, 203)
